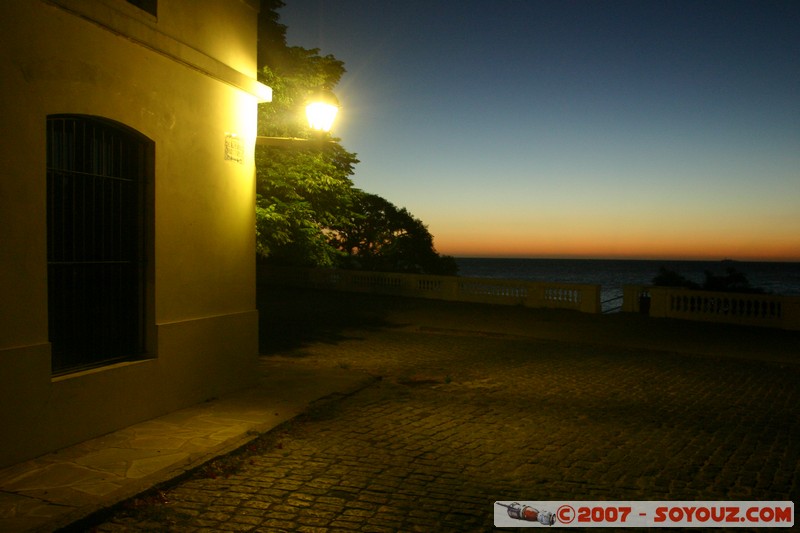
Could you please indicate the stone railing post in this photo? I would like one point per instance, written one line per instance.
(791, 312)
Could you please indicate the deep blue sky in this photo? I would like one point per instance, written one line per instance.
(666, 129)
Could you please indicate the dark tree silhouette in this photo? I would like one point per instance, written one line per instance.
(380, 236)
(732, 281)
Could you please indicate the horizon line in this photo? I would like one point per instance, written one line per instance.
(621, 258)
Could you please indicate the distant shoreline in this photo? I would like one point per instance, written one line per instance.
(774, 277)
(652, 260)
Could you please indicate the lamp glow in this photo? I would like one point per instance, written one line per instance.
(321, 110)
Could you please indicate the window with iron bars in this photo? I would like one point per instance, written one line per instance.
(96, 241)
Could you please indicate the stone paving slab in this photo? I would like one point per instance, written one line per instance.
(58, 489)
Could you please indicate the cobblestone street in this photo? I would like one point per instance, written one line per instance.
(462, 419)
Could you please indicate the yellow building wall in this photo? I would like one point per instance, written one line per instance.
(224, 31)
(63, 57)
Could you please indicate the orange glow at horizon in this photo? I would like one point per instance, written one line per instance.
(620, 246)
(591, 226)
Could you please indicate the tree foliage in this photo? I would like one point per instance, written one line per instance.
(379, 236)
(299, 193)
(308, 212)
(731, 281)
(300, 196)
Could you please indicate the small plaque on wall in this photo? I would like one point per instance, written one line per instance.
(234, 148)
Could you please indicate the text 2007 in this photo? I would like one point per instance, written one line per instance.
(603, 514)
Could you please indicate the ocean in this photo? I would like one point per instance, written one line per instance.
(613, 274)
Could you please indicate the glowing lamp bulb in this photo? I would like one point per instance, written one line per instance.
(321, 111)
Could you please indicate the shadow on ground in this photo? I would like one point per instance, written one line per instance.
(291, 317)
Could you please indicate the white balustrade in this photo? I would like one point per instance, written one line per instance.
(580, 297)
(769, 310)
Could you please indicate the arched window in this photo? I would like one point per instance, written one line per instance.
(96, 240)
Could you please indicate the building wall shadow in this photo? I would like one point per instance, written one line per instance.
(292, 317)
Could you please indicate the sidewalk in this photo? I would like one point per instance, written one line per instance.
(57, 489)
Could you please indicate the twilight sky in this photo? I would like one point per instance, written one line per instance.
(566, 128)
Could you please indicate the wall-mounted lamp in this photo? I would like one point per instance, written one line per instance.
(321, 111)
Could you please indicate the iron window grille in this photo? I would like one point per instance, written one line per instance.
(96, 175)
